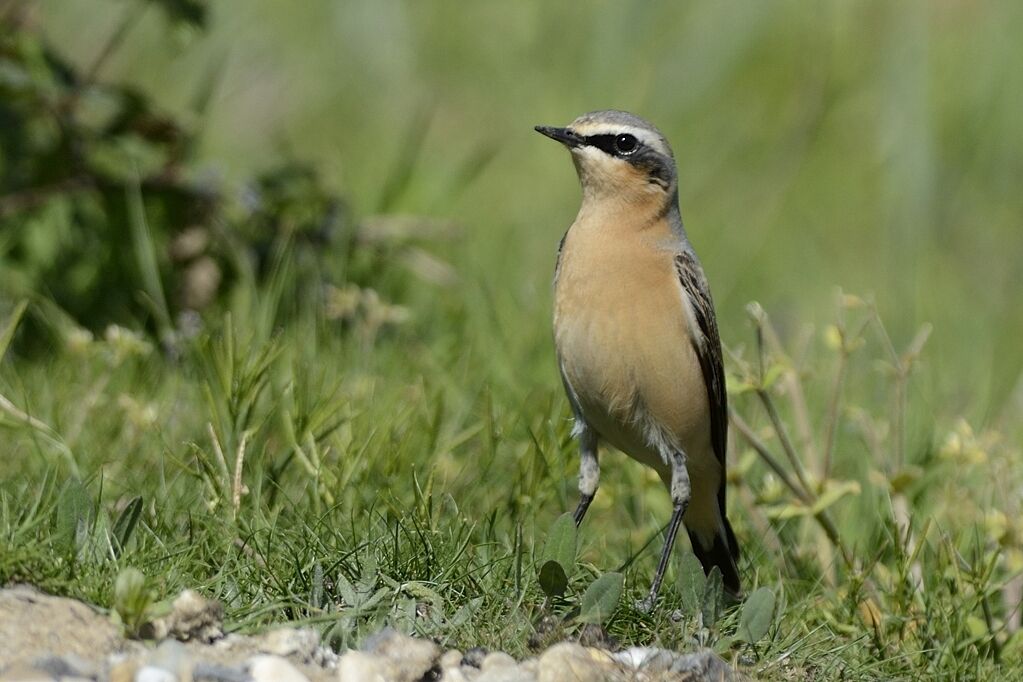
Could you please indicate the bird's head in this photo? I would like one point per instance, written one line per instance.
(618, 156)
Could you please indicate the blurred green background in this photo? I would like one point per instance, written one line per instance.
(323, 234)
(871, 146)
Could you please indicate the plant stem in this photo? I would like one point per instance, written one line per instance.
(761, 449)
(805, 496)
(783, 437)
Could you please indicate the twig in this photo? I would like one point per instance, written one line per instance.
(239, 461)
(761, 449)
(783, 437)
(805, 496)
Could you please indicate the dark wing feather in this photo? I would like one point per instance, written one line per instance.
(709, 352)
(557, 259)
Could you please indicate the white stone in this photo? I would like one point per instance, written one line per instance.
(409, 658)
(451, 658)
(290, 642)
(151, 673)
(459, 675)
(497, 659)
(506, 674)
(358, 666)
(24, 673)
(267, 668)
(570, 661)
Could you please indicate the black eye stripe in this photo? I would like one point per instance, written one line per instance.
(605, 143)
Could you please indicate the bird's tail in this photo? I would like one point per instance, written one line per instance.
(721, 550)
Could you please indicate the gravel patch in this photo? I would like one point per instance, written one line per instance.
(48, 639)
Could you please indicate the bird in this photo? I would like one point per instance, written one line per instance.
(636, 336)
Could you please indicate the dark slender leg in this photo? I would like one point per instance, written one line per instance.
(589, 471)
(680, 494)
(580, 510)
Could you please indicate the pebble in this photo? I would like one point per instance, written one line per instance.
(508, 674)
(24, 673)
(303, 643)
(451, 659)
(123, 670)
(173, 657)
(474, 656)
(496, 660)
(701, 664)
(214, 672)
(267, 668)
(409, 658)
(66, 667)
(358, 666)
(196, 618)
(570, 661)
(150, 673)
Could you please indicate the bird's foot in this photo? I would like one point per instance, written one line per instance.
(646, 605)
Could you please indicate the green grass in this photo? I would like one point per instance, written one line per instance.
(407, 472)
(404, 481)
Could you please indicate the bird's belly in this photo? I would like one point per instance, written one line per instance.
(629, 361)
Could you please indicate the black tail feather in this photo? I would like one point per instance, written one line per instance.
(723, 553)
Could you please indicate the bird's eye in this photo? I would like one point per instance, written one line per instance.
(626, 144)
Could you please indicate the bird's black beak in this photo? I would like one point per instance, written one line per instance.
(565, 136)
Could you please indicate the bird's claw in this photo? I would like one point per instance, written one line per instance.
(646, 605)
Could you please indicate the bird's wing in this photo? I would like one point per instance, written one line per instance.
(557, 259)
(708, 349)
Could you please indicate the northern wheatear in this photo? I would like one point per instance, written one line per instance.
(635, 333)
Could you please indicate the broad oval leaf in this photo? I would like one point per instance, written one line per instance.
(756, 616)
(553, 580)
(713, 598)
(601, 598)
(691, 583)
(561, 543)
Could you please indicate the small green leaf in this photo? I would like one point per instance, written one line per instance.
(346, 591)
(74, 513)
(561, 543)
(833, 492)
(553, 580)
(713, 598)
(756, 616)
(601, 598)
(772, 375)
(125, 524)
(423, 593)
(724, 644)
(131, 599)
(691, 583)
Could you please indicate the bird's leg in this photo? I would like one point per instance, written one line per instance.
(680, 493)
(589, 472)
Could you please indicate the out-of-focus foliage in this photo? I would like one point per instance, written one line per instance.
(73, 151)
(105, 211)
(352, 480)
